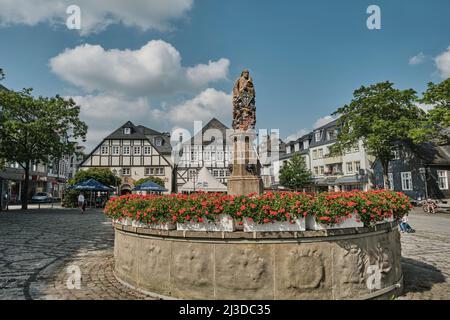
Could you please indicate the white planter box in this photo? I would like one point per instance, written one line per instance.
(251, 226)
(312, 224)
(138, 224)
(224, 223)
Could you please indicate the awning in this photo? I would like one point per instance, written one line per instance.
(150, 186)
(90, 185)
(351, 180)
(11, 174)
(204, 182)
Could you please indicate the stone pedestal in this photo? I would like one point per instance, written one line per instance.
(246, 174)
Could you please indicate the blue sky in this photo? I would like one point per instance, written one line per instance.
(306, 57)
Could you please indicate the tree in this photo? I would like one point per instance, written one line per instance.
(437, 123)
(380, 116)
(2, 74)
(294, 174)
(156, 180)
(37, 130)
(102, 175)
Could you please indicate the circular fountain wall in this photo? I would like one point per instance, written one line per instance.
(353, 263)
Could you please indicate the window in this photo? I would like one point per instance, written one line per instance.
(288, 149)
(154, 171)
(331, 135)
(316, 171)
(314, 154)
(126, 171)
(357, 166)
(305, 144)
(147, 150)
(297, 147)
(442, 180)
(216, 173)
(317, 136)
(221, 173)
(207, 156)
(137, 150)
(349, 167)
(320, 153)
(148, 171)
(391, 180)
(406, 181)
(158, 142)
(126, 151)
(105, 149)
(227, 173)
(127, 130)
(219, 155)
(321, 170)
(396, 154)
(115, 150)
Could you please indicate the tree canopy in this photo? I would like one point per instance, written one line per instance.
(37, 130)
(381, 116)
(102, 175)
(437, 124)
(156, 180)
(294, 174)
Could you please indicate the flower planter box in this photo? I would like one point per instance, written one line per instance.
(138, 224)
(251, 226)
(224, 223)
(312, 224)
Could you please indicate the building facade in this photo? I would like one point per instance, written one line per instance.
(349, 171)
(418, 171)
(208, 148)
(132, 153)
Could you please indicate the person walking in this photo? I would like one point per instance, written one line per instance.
(81, 203)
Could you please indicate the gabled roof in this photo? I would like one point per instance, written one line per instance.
(151, 134)
(432, 154)
(119, 134)
(212, 124)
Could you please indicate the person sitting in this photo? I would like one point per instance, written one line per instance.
(404, 225)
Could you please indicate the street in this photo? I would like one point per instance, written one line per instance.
(39, 247)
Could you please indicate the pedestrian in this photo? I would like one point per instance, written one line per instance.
(81, 203)
(404, 225)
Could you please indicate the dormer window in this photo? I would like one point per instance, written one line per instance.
(158, 142)
(317, 136)
(127, 130)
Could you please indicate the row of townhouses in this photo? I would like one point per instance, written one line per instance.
(49, 178)
(418, 171)
(134, 151)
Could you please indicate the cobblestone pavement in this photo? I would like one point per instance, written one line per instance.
(39, 247)
(426, 257)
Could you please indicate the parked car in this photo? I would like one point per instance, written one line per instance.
(42, 197)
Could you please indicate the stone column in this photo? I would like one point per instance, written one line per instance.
(246, 174)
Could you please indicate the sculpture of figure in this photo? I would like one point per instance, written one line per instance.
(244, 109)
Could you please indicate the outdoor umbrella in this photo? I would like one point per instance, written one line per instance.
(90, 185)
(150, 186)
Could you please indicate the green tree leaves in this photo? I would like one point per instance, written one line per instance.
(294, 174)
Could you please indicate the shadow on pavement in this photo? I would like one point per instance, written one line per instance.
(419, 276)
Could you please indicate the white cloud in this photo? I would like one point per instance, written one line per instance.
(155, 69)
(443, 63)
(96, 15)
(105, 113)
(323, 121)
(417, 59)
(296, 135)
(208, 104)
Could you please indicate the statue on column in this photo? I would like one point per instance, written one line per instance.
(244, 109)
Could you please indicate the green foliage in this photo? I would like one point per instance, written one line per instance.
(294, 174)
(156, 180)
(102, 175)
(380, 116)
(70, 199)
(37, 130)
(438, 118)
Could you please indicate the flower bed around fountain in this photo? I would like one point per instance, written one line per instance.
(210, 212)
